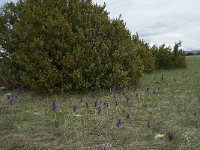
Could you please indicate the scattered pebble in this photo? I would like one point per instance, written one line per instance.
(159, 136)
(36, 113)
(77, 115)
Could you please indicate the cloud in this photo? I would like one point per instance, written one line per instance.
(4, 1)
(160, 21)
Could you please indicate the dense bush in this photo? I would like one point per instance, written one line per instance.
(169, 58)
(179, 59)
(63, 45)
(143, 50)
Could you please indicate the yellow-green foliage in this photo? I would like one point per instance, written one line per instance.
(146, 57)
(65, 45)
(179, 59)
(144, 52)
(169, 58)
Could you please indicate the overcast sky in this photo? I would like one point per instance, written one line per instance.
(159, 21)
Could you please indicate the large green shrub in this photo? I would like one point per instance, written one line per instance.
(179, 59)
(63, 45)
(163, 57)
(143, 50)
(169, 58)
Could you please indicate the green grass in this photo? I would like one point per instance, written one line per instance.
(30, 122)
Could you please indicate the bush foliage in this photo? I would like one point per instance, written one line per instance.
(143, 50)
(66, 45)
(168, 57)
(57, 46)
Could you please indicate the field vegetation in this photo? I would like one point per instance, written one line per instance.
(162, 113)
(71, 77)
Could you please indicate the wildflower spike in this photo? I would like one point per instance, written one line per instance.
(119, 123)
(170, 136)
(148, 125)
(126, 98)
(99, 111)
(95, 103)
(54, 105)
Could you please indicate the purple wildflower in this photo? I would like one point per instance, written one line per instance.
(54, 105)
(148, 125)
(87, 104)
(170, 136)
(95, 103)
(99, 110)
(119, 123)
(105, 104)
(126, 98)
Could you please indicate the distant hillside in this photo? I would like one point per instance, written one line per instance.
(192, 52)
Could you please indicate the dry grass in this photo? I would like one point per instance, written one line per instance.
(29, 123)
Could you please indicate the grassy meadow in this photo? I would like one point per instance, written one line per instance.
(163, 113)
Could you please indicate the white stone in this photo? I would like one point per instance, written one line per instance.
(159, 136)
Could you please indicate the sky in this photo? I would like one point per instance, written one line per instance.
(159, 21)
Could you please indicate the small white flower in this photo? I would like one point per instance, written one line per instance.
(159, 136)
